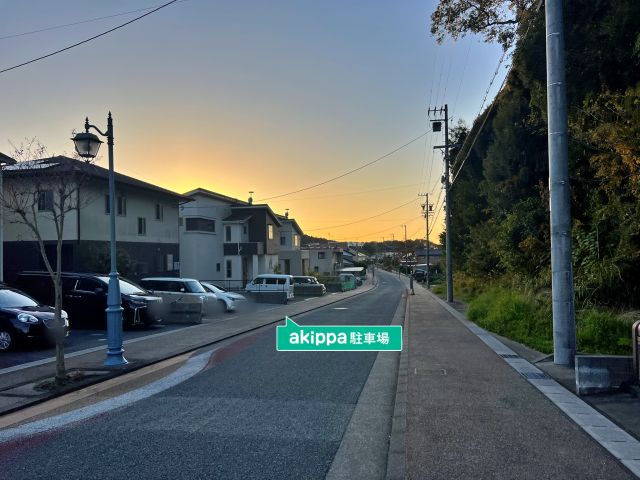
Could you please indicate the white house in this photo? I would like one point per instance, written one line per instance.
(226, 240)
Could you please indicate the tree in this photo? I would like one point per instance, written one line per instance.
(496, 20)
(38, 195)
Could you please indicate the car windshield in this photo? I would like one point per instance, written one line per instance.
(13, 299)
(219, 288)
(127, 287)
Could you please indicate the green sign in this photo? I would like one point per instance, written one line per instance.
(292, 337)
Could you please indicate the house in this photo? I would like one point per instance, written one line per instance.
(435, 254)
(293, 259)
(147, 231)
(226, 240)
(325, 259)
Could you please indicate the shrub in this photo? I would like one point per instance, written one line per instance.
(600, 331)
(523, 318)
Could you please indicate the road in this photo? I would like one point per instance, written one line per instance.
(254, 413)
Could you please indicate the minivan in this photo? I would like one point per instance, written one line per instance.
(84, 297)
(271, 282)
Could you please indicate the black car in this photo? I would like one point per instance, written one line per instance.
(23, 319)
(84, 297)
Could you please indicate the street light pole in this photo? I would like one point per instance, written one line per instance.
(87, 145)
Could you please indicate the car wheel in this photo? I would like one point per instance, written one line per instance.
(6, 340)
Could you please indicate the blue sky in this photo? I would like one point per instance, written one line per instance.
(251, 95)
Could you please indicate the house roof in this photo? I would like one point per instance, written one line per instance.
(238, 217)
(257, 206)
(293, 222)
(217, 196)
(64, 164)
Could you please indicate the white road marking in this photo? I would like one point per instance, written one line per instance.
(191, 367)
(340, 308)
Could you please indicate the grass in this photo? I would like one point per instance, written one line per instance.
(526, 318)
(514, 315)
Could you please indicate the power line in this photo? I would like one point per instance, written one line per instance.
(88, 39)
(363, 219)
(347, 194)
(79, 22)
(346, 173)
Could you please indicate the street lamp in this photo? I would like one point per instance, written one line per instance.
(87, 145)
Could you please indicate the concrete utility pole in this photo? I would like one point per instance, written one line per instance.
(564, 324)
(427, 211)
(437, 127)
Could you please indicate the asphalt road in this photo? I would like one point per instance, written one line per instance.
(80, 339)
(255, 413)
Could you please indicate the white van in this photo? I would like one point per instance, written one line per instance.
(271, 282)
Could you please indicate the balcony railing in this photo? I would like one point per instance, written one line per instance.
(246, 248)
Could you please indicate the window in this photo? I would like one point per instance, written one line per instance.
(321, 255)
(107, 206)
(244, 229)
(122, 206)
(270, 231)
(283, 240)
(89, 285)
(315, 269)
(227, 233)
(229, 269)
(217, 267)
(296, 240)
(159, 212)
(45, 200)
(142, 226)
(199, 224)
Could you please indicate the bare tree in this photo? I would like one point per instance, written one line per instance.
(39, 193)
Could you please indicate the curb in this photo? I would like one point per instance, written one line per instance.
(396, 458)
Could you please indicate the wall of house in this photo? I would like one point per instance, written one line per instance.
(326, 265)
(15, 231)
(298, 261)
(288, 231)
(94, 218)
(202, 252)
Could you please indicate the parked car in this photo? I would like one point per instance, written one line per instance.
(420, 275)
(173, 289)
(228, 298)
(308, 285)
(23, 319)
(84, 297)
(271, 282)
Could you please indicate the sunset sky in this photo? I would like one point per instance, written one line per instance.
(269, 96)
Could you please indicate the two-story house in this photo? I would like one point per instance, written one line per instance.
(147, 231)
(226, 240)
(325, 259)
(293, 259)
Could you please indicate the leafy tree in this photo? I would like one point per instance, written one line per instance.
(39, 197)
(496, 20)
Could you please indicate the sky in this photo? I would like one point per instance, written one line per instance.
(253, 95)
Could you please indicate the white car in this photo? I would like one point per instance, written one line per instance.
(229, 298)
(179, 289)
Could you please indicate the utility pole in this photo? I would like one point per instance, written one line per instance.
(564, 325)
(427, 211)
(437, 127)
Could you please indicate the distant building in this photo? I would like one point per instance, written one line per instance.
(325, 259)
(293, 259)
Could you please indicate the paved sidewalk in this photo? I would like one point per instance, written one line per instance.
(16, 389)
(471, 415)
